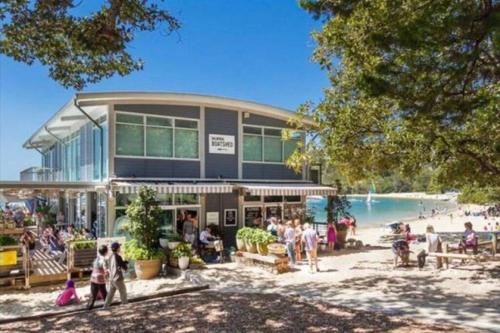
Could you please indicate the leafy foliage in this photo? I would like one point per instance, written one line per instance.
(136, 251)
(414, 84)
(144, 223)
(243, 233)
(78, 49)
(338, 205)
(7, 241)
(182, 250)
(480, 196)
(262, 237)
(82, 245)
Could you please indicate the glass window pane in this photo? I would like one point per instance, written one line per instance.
(252, 130)
(166, 223)
(165, 199)
(292, 198)
(289, 147)
(156, 121)
(249, 198)
(186, 143)
(186, 199)
(273, 132)
(97, 153)
(129, 118)
(159, 141)
(186, 123)
(129, 140)
(124, 199)
(273, 198)
(252, 148)
(272, 149)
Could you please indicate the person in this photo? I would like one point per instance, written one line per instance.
(206, 236)
(189, 230)
(19, 217)
(272, 228)
(407, 234)
(298, 241)
(353, 226)
(68, 296)
(289, 238)
(98, 277)
(469, 239)
(331, 236)
(497, 226)
(116, 267)
(401, 249)
(60, 218)
(281, 231)
(433, 242)
(311, 239)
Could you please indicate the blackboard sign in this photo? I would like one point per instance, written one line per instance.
(251, 214)
(230, 217)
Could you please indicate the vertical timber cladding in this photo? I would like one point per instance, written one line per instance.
(158, 168)
(221, 143)
(256, 170)
(216, 202)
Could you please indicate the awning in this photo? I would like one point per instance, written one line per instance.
(287, 189)
(168, 187)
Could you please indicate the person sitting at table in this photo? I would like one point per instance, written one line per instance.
(206, 236)
(469, 239)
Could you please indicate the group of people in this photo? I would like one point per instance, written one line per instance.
(401, 247)
(105, 271)
(54, 241)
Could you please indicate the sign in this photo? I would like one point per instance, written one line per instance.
(221, 144)
(230, 219)
(212, 218)
(110, 240)
(252, 214)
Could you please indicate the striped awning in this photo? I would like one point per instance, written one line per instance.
(287, 189)
(167, 187)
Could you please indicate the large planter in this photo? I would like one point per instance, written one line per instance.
(251, 247)
(173, 245)
(262, 249)
(163, 243)
(83, 258)
(147, 269)
(341, 237)
(240, 244)
(183, 262)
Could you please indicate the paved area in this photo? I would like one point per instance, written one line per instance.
(213, 311)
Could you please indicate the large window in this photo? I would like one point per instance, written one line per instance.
(96, 149)
(72, 157)
(266, 144)
(152, 136)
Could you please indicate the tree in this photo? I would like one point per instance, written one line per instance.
(414, 84)
(78, 49)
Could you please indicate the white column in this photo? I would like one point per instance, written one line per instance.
(202, 135)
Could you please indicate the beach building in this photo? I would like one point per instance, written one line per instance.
(221, 160)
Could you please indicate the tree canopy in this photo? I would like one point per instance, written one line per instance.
(414, 84)
(78, 49)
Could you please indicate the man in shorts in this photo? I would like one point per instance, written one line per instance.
(310, 239)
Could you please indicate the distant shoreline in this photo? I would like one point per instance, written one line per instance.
(412, 195)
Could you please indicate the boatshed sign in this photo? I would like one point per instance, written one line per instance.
(221, 144)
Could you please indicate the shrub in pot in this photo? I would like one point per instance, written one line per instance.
(84, 252)
(241, 236)
(182, 253)
(144, 227)
(251, 240)
(263, 239)
(174, 240)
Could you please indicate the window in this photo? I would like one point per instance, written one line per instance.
(96, 149)
(273, 198)
(151, 136)
(251, 198)
(266, 144)
(71, 160)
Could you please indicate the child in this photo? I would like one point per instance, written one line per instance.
(331, 235)
(68, 296)
(401, 249)
(98, 277)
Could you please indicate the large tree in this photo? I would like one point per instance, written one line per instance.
(78, 49)
(414, 84)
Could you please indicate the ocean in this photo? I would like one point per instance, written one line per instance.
(381, 210)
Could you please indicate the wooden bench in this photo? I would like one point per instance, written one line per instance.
(277, 264)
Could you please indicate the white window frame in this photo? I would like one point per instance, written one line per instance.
(144, 125)
(262, 136)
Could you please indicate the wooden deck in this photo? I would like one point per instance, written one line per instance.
(46, 268)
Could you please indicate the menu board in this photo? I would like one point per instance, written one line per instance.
(230, 219)
(251, 214)
(273, 211)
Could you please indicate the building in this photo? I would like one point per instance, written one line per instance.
(220, 159)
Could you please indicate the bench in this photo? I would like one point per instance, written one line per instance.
(276, 264)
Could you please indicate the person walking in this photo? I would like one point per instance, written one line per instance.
(310, 239)
(289, 237)
(98, 277)
(298, 241)
(116, 267)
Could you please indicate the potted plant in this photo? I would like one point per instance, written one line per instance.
(174, 240)
(196, 262)
(144, 227)
(263, 239)
(83, 253)
(241, 236)
(251, 240)
(182, 253)
(338, 207)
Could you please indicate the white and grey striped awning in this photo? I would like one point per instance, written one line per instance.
(166, 187)
(287, 189)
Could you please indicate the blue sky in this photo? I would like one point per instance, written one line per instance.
(257, 50)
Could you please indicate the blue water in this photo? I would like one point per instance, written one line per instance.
(381, 210)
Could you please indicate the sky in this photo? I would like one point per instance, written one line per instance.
(257, 50)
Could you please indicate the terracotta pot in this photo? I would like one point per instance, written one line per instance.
(341, 237)
(183, 263)
(147, 269)
(251, 247)
(240, 244)
(262, 249)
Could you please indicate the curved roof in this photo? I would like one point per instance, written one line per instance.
(69, 118)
